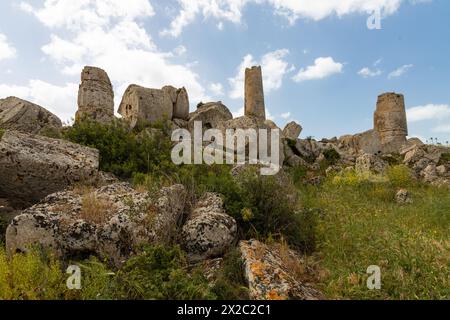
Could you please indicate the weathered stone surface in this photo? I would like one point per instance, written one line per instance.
(109, 222)
(254, 93)
(21, 115)
(292, 130)
(95, 96)
(32, 166)
(390, 121)
(209, 232)
(180, 101)
(144, 104)
(309, 149)
(269, 278)
(210, 114)
(366, 142)
(403, 196)
(370, 163)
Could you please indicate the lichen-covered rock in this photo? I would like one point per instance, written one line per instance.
(292, 130)
(370, 163)
(95, 96)
(33, 166)
(21, 115)
(108, 222)
(180, 101)
(209, 232)
(268, 276)
(403, 196)
(210, 114)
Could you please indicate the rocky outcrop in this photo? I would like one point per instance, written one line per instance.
(109, 222)
(208, 232)
(254, 93)
(292, 130)
(370, 163)
(403, 196)
(32, 166)
(144, 104)
(270, 277)
(21, 115)
(210, 114)
(95, 96)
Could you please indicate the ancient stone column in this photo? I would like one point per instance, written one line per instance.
(254, 93)
(390, 121)
(95, 96)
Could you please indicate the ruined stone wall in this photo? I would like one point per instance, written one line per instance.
(254, 93)
(390, 121)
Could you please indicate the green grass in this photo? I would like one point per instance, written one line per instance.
(362, 225)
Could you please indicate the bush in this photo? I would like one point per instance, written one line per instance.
(331, 156)
(231, 283)
(399, 176)
(160, 273)
(270, 209)
(31, 276)
(122, 150)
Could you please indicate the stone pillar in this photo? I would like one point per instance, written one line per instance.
(95, 96)
(254, 93)
(390, 121)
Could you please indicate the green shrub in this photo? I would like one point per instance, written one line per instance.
(122, 150)
(31, 276)
(400, 175)
(160, 273)
(331, 156)
(271, 210)
(231, 283)
(445, 158)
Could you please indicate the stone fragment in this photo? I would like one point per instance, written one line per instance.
(292, 130)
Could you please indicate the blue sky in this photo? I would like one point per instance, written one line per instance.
(322, 65)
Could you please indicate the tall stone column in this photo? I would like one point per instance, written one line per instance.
(254, 93)
(390, 121)
(95, 96)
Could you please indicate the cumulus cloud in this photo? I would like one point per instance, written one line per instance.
(61, 100)
(322, 68)
(400, 71)
(369, 73)
(274, 68)
(108, 34)
(7, 51)
(428, 112)
(231, 10)
(216, 89)
(286, 115)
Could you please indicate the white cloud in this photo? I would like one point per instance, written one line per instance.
(57, 99)
(428, 112)
(216, 89)
(322, 68)
(7, 51)
(400, 71)
(369, 73)
(292, 10)
(286, 115)
(274, 68)
(108, 34)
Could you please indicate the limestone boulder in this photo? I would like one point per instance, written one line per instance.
(308, 149)
(403, 196)
(33, 166)
(95, 96)
(370, 163)
(269, 275)
(145, 104)
(292, 130)
(109, 222)
(22, 115)
(208, 232)
(210, 114)
(180, 101)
